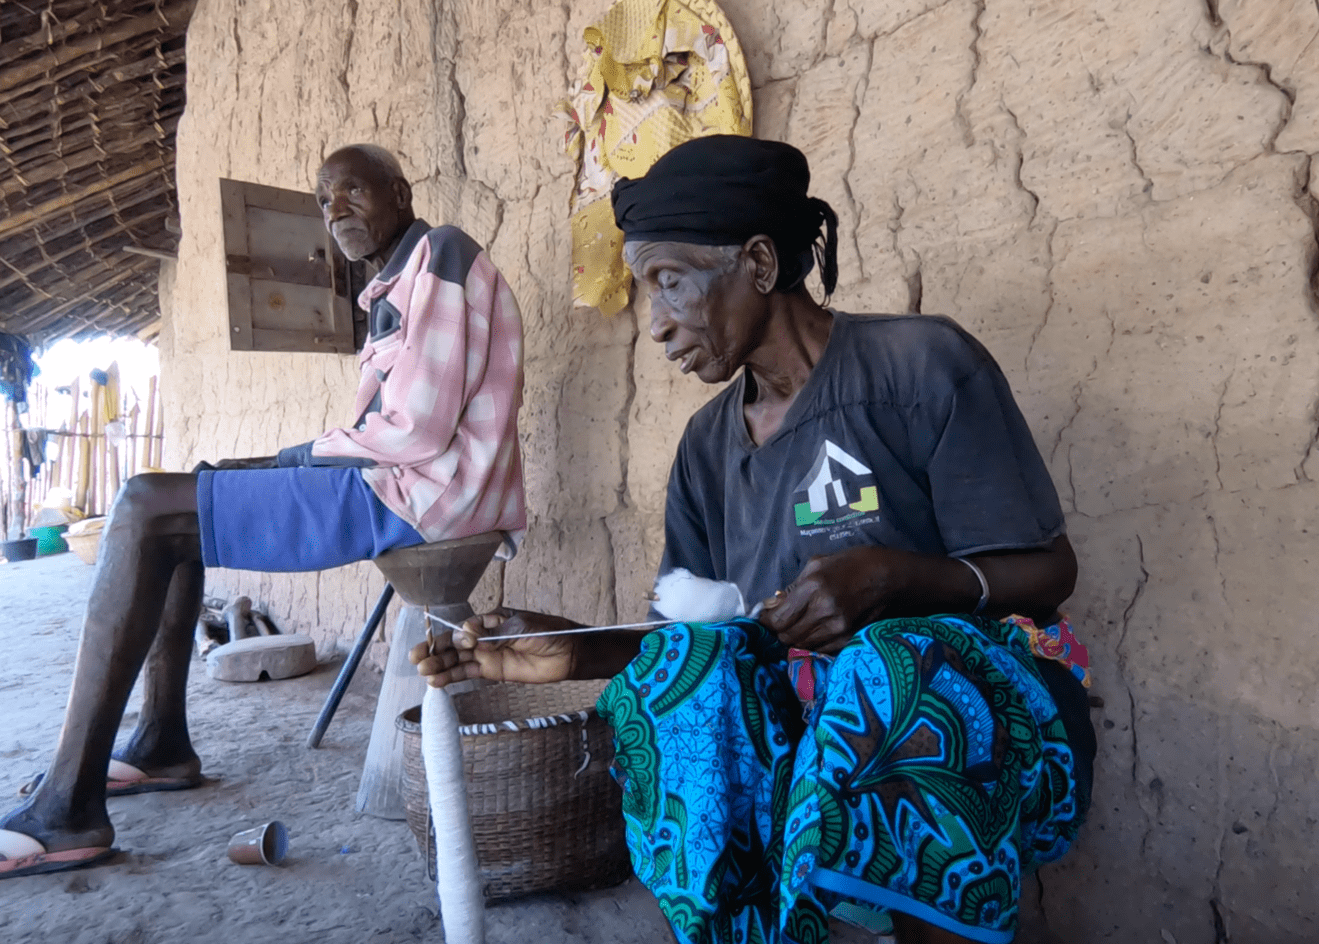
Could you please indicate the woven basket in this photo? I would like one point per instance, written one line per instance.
(84, 539)
(546, 814)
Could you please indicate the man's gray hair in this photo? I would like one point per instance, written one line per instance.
(381, 161)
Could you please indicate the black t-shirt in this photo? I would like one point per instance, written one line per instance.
(905, 435)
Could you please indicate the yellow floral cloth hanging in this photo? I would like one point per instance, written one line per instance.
(656, 73)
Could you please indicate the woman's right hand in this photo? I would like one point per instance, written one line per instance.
(459, 655)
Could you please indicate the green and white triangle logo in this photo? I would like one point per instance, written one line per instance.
(838, 483)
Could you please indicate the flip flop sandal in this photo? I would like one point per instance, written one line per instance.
(123, 779)
(21, 855)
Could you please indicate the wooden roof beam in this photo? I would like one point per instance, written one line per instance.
(93, 295)
(54, 169)
(20, 220)
(30, 276)
(174, 16)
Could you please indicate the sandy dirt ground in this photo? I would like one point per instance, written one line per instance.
(348, 877)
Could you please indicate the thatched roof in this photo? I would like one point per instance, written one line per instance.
(90, 95)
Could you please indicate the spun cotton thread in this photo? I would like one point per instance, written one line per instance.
(685, 598)
(680, 597)
(462, 904)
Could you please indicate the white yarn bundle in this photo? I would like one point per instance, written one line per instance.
(462, 904)
(682, 596)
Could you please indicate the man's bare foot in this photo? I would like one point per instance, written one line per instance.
(162, 750)
(125, 779)
(54, 834)
(189, 771)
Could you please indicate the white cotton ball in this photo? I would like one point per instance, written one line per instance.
(686, 598)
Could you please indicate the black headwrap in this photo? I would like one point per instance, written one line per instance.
(723, 189)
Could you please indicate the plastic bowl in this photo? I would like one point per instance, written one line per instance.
(20, 550)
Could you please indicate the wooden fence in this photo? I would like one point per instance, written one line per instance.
(90, 463)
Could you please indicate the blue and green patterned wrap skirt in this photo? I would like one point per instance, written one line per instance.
(929, 774)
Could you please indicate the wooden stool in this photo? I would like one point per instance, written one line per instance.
(440, 577)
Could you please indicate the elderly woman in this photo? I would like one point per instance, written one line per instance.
(850, 752)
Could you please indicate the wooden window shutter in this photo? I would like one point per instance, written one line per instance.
(290, 289)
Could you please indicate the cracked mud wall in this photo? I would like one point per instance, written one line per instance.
(1116, 199)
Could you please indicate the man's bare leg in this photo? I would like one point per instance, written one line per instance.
(150, 552)
(160, 744)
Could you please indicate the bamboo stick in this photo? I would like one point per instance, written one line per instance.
(114, 410)
(112, 460)
(17, 484)
(158, 437)
(99, 444)
(6, 503)
(94, 427)
(43, 489)
(147, 450)
(103, 450)
(37, 479)
(48, 466)
(72, 428)
(84, 467)
(130, 459)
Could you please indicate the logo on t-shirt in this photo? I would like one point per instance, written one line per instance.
(839, 487)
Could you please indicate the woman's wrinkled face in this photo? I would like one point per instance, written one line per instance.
(703, 306)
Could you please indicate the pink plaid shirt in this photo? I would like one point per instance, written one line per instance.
(440, 390)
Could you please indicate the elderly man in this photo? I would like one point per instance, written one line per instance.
(433, 455)
(851, 753)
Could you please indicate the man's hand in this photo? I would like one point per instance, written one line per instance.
(836, 595)
(460, 655)
(228, 465)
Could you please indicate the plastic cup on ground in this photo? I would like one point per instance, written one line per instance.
(264, 845)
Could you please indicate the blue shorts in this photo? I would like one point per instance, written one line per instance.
(294, 519)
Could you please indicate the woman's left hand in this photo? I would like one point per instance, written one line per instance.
(834, 596)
